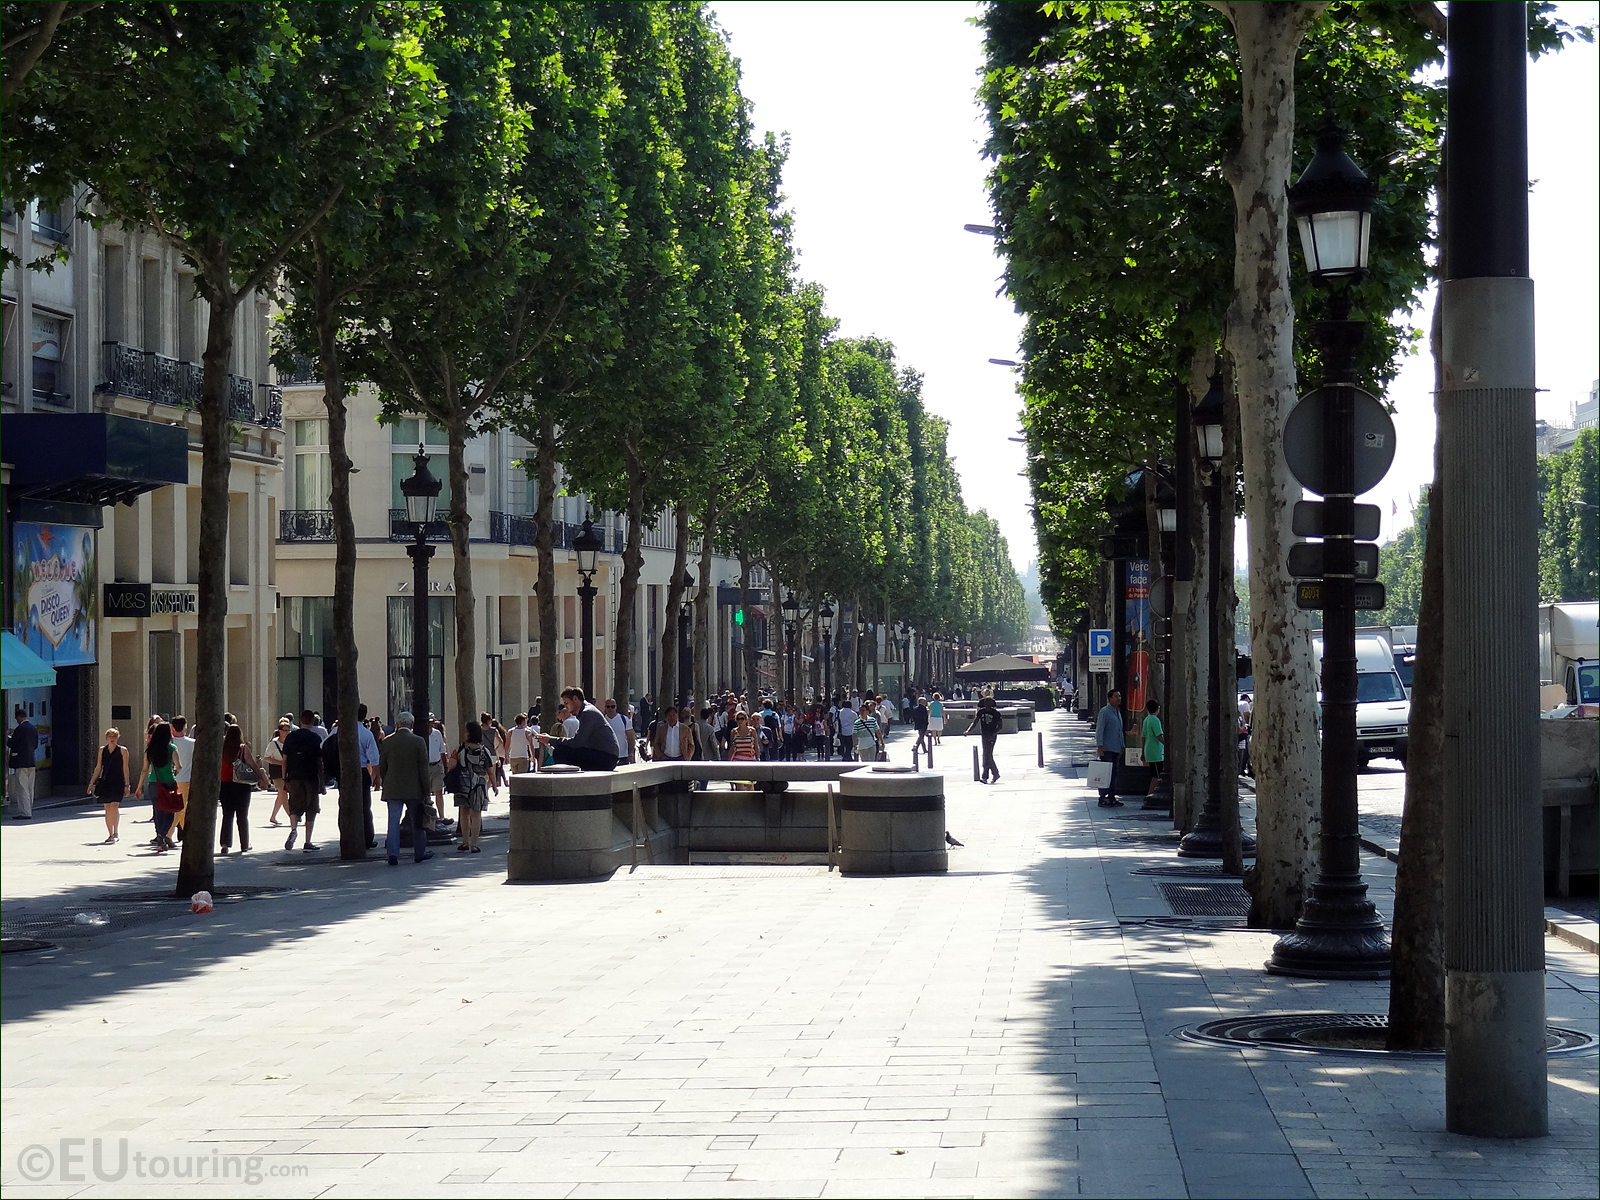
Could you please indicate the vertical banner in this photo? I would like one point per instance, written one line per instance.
(54, 592)
(1136, 598)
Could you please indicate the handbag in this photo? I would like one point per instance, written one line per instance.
(168, 798)
(243, 772)
(453, 780)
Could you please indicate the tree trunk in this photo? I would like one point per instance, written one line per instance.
(544, 536)
(352, 794)
(752, 681)
(673, 689)
(1416, 942)
(1260, 339)
(703, 604)
(197, 865)
(461, 563)
(1194, 679)
(1222, 629)
(628, 588)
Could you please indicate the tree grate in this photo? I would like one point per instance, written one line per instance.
(234, 892)
(1186, 871)
(15, 945)
(1140, 814)
(86, 922)
(1223, 898)
(1346, 1033)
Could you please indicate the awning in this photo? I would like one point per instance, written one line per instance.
(92, 458)
(21, 667)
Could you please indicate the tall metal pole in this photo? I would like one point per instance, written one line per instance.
(1338, 934)
(827, 668)
(686, 655)
(419, 552)
(1496, 1076)
(586, 594)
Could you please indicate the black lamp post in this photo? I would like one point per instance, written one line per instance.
(1205, 839)
(1338, 934)
(685, 630)
(587, 545)
(791, 613)
(825, 615)
(421, 492)
(905, 657)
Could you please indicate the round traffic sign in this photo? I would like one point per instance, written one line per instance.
(1373, 440)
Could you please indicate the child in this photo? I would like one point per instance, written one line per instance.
(1155, 741)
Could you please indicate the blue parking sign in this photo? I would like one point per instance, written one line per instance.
(1100, 650)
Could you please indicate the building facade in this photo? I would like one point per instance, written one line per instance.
(101, 453)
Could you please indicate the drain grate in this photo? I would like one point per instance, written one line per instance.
(1224, 898)
(237, 892)
(1164, 837)
(1346, 1033)
(14, 945)
(86, 922)
(1186, 871)
(1140, 814)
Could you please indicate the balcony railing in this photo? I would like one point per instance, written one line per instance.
(146, 375)
(305, 525)
(302, 373)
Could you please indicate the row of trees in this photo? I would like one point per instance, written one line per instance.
(1142, 153)
(550, 218)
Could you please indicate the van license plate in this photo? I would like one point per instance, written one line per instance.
(1381, 750)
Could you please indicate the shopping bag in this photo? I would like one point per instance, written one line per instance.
(1134, 756)
(1100, 774)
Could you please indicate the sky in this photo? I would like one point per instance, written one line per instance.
(885, 167)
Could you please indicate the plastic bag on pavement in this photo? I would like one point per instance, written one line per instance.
(200, 902)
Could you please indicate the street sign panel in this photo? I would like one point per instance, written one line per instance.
(1373, 438)
(1308, 519)
(1306, 560)
(1314, 594)
(1100, 650)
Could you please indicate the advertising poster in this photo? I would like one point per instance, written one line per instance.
(55, 592)
(1137, 598)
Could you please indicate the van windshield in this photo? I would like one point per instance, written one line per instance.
(1378, 686)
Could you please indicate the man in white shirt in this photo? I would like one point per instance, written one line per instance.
(519, 746)
(847, 733)
(619, 727)
(436, 762)
(368, 746)
(183, 746)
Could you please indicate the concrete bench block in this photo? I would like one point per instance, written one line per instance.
(891, 823)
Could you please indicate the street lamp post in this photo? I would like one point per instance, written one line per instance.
(1338, 934)
(587, 545)
(791, 613)
(421, 492)
(1205, 839)
(685, 629)
(825, 615)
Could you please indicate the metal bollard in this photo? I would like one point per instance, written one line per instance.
(975, 776)
(915, 764)
(930, 756)
(1041, 749)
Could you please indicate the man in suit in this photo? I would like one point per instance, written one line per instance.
(24, 747)
(403, 775)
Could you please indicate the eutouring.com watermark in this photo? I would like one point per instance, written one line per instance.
(106, 1160)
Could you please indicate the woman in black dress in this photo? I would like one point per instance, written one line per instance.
(112, 781)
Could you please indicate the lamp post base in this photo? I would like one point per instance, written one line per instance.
(1205, 839)
(1338, 936)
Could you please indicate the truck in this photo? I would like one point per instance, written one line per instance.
(1383, 713)
(1569, 654)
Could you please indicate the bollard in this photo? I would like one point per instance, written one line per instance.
(915, 762)
(1041, 749)
(975, 776)
(930, 756)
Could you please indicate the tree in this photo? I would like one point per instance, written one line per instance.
(1569, 503)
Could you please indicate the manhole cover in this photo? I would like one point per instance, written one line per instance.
(14, 945)
(237, 892)
(696, 874)
(86, 922)
(1346, 1033)
(1186, 871)
(1224, 898)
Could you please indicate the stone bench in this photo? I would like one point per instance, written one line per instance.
(586, 824)
(961, 719)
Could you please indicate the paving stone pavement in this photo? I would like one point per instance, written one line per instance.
(1007, 1029)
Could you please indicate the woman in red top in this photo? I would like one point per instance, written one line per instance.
(235, 794)
(744, 744)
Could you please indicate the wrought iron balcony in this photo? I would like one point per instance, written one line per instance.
(305, 525)
(303, 372)
(400, 529)
(146, 375)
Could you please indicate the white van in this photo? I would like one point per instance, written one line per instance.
(1383, 714)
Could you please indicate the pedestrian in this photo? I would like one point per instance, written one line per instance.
(241, 774)
(705, 739)
(23, 756)
(672, 740)
(867, 723)
(845, 725)
(367, 752)
(590, 743)
(1109, 742)
(435, 740)
(936, 718)
(519, 746)
(1155, 741)
(272, 755)
(403, 775)
(495, 746)
(474, 761)
(619, 730)
(744, 745)
(989, 723)
(112, 781)
(184, 744)
(302, 768)
(920, 719)
(160, 767)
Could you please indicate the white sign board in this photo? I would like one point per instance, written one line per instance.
(1100, 650)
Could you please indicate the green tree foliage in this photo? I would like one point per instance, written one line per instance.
(1400, 569)
(1569, 539)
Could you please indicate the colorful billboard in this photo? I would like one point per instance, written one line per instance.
(1137, 601)
(54, 592)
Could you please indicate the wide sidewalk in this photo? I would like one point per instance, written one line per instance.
(1011, 1028)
